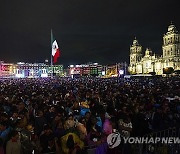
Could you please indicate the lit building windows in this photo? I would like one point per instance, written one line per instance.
(171, 49)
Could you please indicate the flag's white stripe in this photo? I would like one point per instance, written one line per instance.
(54, 47)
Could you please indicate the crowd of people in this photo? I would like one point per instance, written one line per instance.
(69, 116)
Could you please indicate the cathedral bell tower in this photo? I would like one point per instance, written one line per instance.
(135, 55)
(171, 47)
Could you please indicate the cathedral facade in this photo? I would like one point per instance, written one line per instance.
(149, 62)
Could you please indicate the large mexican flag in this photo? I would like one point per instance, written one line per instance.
(55, 49)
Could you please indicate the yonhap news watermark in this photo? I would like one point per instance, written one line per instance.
(114, 139)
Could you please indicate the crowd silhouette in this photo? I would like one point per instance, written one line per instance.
(64, 115)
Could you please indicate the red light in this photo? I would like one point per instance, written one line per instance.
(2, 67)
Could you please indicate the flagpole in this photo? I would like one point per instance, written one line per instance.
(51, 47)
(51, 54)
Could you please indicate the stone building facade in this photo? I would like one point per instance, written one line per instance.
(149, 62)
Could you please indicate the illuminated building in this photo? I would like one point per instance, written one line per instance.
(151, 63)
(111, 71)
(29, 70)
(37, 70)
(116, 70)
(91, 69)
(7, 69)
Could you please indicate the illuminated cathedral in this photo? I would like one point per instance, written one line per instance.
(149, 62)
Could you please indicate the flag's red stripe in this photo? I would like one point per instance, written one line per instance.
(56, 56)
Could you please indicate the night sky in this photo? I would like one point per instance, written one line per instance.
(86, 30)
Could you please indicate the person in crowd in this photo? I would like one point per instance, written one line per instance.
(29, 139)
(46, 139)
(39, 122)
(1, 146)
(5, 130)
(14, 145)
